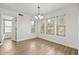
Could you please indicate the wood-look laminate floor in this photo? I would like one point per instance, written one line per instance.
(35, 47)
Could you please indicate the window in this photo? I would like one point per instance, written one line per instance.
(50, 26)
(8, 26)
(60, 26)
(33, 26)
(42, 26)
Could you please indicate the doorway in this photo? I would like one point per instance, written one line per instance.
(9, 27)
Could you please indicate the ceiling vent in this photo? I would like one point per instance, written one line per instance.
(20, 14)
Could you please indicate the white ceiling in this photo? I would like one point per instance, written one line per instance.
(31, 8)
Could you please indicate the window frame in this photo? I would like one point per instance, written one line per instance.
(7, 26)
(53, 26)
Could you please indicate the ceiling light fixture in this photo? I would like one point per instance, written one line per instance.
(39, 16)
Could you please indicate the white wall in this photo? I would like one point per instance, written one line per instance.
(24, 28)
(0, 27)
(71, 22)
(78, 29)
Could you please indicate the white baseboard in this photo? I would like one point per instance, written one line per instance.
(60, 43)
(25, 39)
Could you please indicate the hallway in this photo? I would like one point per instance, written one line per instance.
(35, 46)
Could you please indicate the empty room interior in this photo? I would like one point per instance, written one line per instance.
(39, 28)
